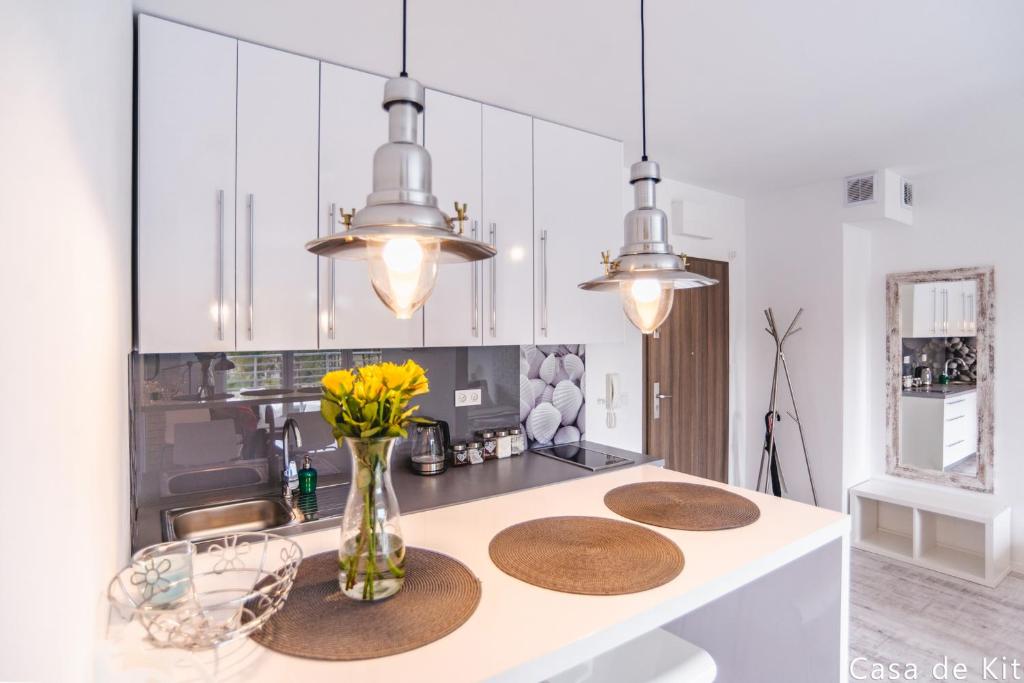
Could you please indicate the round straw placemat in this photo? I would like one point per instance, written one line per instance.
(588, 555)
(677, 505)
(319, 622)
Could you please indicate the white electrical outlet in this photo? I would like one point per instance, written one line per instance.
(467, 397)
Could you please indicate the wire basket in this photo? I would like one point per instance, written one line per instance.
(198, 596)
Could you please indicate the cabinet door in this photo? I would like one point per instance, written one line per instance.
(927, 310)
(452, 314)
(508, 224)
(969, 303)
(278, 109)
(352, 126)
(578, 212)
(186, 189)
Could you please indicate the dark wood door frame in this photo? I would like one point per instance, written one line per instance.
(689, 357)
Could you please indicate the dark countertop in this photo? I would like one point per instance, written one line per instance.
(414, 492)
(940, 390)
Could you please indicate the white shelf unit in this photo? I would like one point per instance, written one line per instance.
(959, 533)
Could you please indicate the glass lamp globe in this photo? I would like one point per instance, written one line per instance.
(646, 302)
(403, 271)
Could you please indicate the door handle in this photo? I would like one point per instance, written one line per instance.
(544, 283)
(494, 282)
(252, 261)
(220, 266)
(656, 403)
(474, 309)
(332, 305)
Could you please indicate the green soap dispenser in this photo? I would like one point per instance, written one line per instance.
(307, 477)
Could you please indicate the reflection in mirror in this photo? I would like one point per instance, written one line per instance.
(940, 352)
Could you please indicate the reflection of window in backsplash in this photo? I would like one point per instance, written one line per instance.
(962, 351)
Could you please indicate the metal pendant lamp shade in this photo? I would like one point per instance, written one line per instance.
(401, 232)
(402, 203)
(647, 270)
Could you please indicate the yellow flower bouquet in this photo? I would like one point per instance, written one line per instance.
(372, 401)
(368, 409)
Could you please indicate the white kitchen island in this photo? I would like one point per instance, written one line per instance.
(766, 600)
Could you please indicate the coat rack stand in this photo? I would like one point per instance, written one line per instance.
(769, 473)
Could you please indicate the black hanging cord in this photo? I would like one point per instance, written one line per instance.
(643, 82)
(405, 13)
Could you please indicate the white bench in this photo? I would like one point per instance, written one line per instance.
(960, 533)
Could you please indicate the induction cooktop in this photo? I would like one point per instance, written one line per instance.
(586, 457)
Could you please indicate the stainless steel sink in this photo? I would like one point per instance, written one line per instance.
(195, 398)
(258, 514)
(266, 392)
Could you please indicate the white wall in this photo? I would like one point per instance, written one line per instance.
(795, 243)
(727, 214)
(968, 216)
(65, 216)
(963, 216)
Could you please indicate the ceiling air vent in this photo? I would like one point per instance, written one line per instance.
(908, 194)
(860, 189)
(882, 198)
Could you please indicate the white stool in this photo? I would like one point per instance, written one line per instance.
(656, 657)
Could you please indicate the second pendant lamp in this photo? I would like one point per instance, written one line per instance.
(647, 272)
(401, 233)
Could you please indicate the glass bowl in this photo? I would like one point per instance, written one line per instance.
(196, 596)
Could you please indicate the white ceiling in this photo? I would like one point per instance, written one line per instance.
(743, 95)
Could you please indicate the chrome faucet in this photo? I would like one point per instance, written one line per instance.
(945, 368)
(291, 427)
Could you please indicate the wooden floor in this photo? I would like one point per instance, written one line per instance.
(901, 613)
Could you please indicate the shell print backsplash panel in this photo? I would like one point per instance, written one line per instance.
(552, 386)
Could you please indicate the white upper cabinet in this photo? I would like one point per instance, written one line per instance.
(578, 213)
(453, 314)
(278, 110)
(186, 189)
(940, 309)
(353, 124)
(507, 223)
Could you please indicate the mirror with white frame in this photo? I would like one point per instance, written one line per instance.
(940, 351)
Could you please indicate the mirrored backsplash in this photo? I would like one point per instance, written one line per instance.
(206, 427)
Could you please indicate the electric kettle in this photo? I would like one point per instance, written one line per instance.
(429, 447)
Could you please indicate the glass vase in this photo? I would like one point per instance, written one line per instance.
(371, 558)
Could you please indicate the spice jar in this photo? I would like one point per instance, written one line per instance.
(490, 443)
(504, 438)
(475, 452)
(460, 454)
(518, 442)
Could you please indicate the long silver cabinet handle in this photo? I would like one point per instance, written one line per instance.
(474, 308)
(544, 282)
(252, 262)
(494, 282)
(331, 311)
(220, 265)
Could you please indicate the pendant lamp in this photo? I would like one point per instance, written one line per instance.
(647, 272)
(401, 232)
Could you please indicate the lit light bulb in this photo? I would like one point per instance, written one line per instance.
(403, 271)
(646, 302)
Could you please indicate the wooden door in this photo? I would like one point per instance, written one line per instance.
(186, 189)
(352, 126)
(687, 361)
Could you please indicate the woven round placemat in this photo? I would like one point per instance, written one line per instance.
(588, 555)
(677, 505)
(319, 622)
